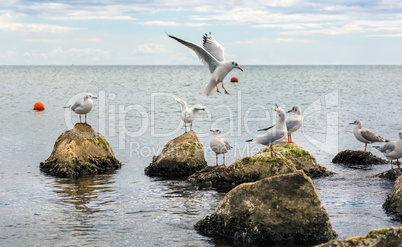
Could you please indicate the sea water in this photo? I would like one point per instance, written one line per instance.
(137, 113)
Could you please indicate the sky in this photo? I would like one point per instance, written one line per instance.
(264, 32)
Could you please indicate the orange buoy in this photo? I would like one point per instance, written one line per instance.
(39, 106)
(234, 79)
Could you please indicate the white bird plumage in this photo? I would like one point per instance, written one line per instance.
(392, 150)
(293, 123)
(82, 106)
(212, 55)
(274, 134)
(219, 144)
(188, 114)
(365, 135)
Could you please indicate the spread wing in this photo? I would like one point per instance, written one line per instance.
(197, 107)
(213, 47)
(205, 57)
(182, 103)
(370, 136)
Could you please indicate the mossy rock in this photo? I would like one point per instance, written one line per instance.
(250, 169)
(385, 237)
(80, 151)
(393, 204)
(247, 169)
(180, 158)
(350, 157)
(275, 209)
(391, 174)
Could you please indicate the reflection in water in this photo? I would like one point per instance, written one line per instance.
(84, 193)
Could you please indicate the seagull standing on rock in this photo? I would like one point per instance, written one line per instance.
(188, 114)
(274, 134)
(212, 55)
(219, 144)
(392, 150)
(83, 106)
(365, 135)
(293, 122)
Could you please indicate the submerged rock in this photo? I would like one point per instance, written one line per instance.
(180, 157)
(80, 151)
(350, 157)
(393, 204)
(250, 169)
(376, 238)
(275, 209)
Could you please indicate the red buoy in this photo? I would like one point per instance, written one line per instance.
(234, 79)
(39, 106)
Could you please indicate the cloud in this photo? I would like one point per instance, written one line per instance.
(42, 40)
(270, 40)
(171, 23)
(34, 28)
(151, 48)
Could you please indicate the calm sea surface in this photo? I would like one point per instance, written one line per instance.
(137, 114)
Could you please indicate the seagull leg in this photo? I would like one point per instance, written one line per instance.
(223, 160)
(217, 89)
(365, 147)
(397, 162)
(191, 126)
(185, 128)
(226, 92)
(216, 164)
(289, 139)
(80, 118)
(392, 166)
(86, 118)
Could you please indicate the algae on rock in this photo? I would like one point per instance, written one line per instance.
(250, 169)
(275, 209)
(180, 157)
(376, 238)
(80, 151)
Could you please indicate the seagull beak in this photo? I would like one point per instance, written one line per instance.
(94, 97)
(351, 123)
(240, 68)
(212, 130)
(276, 110)
(277, 106)
(290, 111)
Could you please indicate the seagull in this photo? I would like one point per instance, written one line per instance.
(275, 134)
(83, 106)
(293, 122)
(392, 150)
(364, 135)
(219, 144)
(188, 114)
(211, 55)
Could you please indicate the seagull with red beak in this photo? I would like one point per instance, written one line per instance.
(212, 55)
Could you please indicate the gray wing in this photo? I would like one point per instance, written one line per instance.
(387, 147)
(197, 107)
(291, 123)
(205, 57)
(370, 136)
(227, 145)
(213, 47)
(77, 104)
(266, 128)
(269, 137)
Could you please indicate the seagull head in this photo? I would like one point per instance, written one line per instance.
(295, 109)
(281, 113)
(89, 96)
(216, 131)
(235, 64)
(357, 123)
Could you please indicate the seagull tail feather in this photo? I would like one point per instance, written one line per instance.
(209, 89)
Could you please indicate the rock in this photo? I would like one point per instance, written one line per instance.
(350, 157)
(393, 204)
(261, 165)
(275, 209)
(391, 174)
(180, 158)
(376, 238)
(80, 151)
